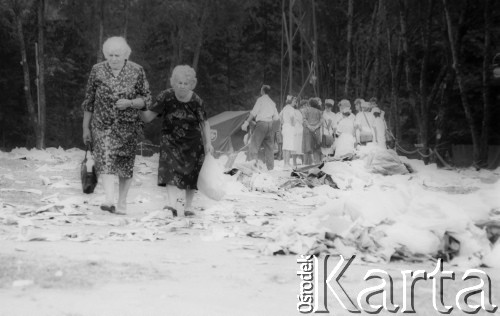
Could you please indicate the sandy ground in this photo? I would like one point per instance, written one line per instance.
(206, 265)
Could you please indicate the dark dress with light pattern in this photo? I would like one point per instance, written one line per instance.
(115, 132)
(181, 145)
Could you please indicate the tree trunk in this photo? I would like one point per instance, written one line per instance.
(369, 60)
(176, 39)
(126, 5)
(302, 66)
(330, 93)
(487, 106)
(350, 9)
(357, 69)
(399, 74)
(404, 37)
(197, 51)
(423, 121)
(315, 51)
(367, 73)
(26, 74)
(378, 50)
(442, 117)
(40, 137)
(201, 25)
(407, 67)
(92, 17)
(302, 72)
(395, 69)
(335, 84)
(290, 47)
(228, 74)
(282, 88)
(100, 38)
(460, 81)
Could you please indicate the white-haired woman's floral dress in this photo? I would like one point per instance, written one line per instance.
(115, 132)
(181, 145)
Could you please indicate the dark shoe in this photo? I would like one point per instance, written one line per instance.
(189, 213)
(174, 211)
(108, 208)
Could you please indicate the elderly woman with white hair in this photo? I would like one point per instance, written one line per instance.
(185, 137)
(117, 90)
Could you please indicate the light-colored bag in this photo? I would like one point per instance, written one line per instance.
(326, 139)
(366, 136)
(211, 179)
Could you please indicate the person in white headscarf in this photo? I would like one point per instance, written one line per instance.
(357, 105)
(344, 145)
(343, 104)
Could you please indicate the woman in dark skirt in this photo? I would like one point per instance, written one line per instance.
(185, 136)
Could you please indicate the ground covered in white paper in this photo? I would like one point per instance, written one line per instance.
(61, 255)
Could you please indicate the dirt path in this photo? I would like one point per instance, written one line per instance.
(200, 266)
(212, 264)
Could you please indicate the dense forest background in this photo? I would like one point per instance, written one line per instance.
(430, 63)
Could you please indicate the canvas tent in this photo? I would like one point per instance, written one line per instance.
(225, 131)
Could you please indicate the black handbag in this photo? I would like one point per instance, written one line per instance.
(88, 173)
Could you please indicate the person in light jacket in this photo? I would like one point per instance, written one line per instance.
(265, 113)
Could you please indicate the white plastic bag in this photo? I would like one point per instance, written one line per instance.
(211, 179)
(386, 162)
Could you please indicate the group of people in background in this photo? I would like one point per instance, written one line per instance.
(313, 131)
(330, 130)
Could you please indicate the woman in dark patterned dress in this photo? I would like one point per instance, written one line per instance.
(116, 91)
(185, 137)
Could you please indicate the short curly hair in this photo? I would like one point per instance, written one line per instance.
(184, 70)
(116, 42)
(313, 102)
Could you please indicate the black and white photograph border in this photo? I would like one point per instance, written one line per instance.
(249, 157)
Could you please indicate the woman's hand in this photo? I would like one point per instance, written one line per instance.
(123, 104)
(244, 126)
(86, 135)
(209, 148)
